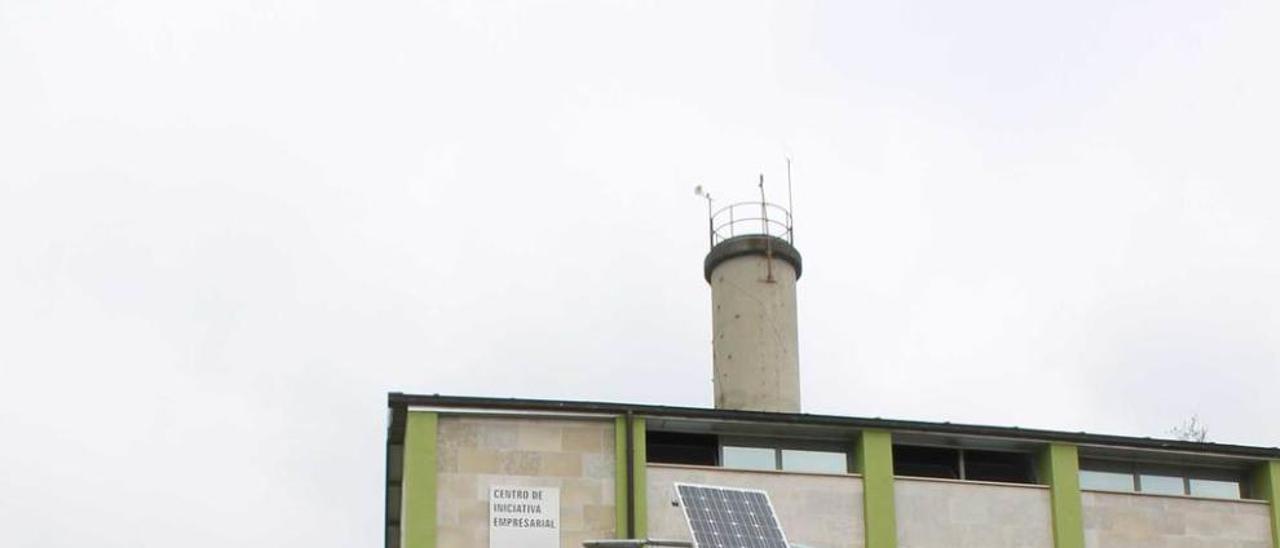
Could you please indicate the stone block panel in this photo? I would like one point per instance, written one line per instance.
(944, 514)
(476, 453)
(1132, 520)
(815, 510)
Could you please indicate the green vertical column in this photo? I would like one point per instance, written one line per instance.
(639, 499)
(1060, 468)
(621, 496)
(1266, 486)
(418, 499)
(874, 460)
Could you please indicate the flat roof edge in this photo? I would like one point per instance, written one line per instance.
(399, 402)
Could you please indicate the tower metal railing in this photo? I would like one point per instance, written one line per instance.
(750, 218)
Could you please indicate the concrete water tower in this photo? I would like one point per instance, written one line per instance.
(752, 268)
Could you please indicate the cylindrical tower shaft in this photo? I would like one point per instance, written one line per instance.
(753, 297)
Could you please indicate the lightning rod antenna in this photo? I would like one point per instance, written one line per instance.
(791, 206)
(768, 241)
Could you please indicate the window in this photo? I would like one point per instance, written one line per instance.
(786, 459)
(998, 466)
(1161, 484)
(750, 458)
(1218, 489)
(962, 464)
(823, 462)
(1161, 479)
(821, 457)
(682, 448)
(926, 462)
(1098, 480)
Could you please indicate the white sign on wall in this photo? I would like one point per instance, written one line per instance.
(524, 517)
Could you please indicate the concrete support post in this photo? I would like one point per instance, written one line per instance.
(1060, 469)
(1266, 486)
(874, 460)
(418, 507)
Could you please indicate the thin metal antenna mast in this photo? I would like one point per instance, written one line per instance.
(768, 240)
(791, 206)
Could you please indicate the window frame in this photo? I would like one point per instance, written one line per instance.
(778, 445)
(1187, 473)
(671, 435)
(958, 461)
(961, 467)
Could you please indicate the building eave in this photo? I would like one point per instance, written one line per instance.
(401, 401)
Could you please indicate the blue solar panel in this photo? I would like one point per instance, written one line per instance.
(726, 517)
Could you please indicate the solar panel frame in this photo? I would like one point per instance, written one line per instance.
(755, 541)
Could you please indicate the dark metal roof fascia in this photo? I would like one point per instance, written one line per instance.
(1080, 438)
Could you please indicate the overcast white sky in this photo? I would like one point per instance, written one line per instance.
(228, 229)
